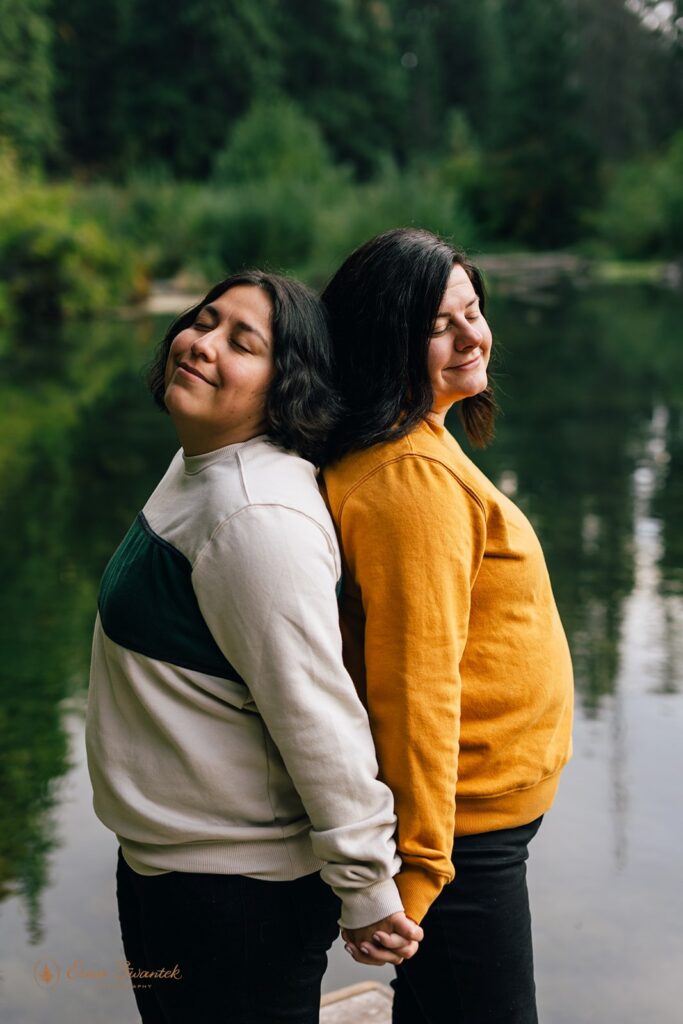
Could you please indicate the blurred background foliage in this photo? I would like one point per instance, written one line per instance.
(136, 145)
(140, 144)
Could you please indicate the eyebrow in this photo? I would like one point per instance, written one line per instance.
(441, 316)
(240, 325)
(211, 310)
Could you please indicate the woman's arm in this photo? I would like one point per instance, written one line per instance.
(413, 539)
(266, 588)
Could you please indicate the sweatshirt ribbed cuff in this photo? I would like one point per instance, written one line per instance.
(418, 890)
(361, 907)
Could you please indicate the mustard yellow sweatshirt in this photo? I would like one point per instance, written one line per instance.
(453, 639)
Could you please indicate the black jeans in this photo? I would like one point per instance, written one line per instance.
(247, 951)
(475, 964)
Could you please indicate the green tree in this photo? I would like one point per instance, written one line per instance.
(539, 168)
(632, 91)
(141, 86)
(642, 215)
(447, 51)
(274, 140)
(90, 67)
(343, 67)
(27, 118)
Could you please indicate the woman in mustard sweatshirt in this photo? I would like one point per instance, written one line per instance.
(451, 632)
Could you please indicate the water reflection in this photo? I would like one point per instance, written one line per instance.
(77, 448)
(590, 445)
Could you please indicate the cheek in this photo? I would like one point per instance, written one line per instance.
(168, 372)
(243, 382)
(176, 347)
(437, 357)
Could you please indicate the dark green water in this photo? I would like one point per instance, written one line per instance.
(590, 445)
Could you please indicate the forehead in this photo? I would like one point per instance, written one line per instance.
(459, 291)
(246, 302)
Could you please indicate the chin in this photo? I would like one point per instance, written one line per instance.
(475, 388)
(177, 400)
(168, 397)
(478, 386)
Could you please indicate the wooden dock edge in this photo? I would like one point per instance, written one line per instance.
(355, 990)
(367, 1002)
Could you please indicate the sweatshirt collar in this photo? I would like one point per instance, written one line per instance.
(196, 463)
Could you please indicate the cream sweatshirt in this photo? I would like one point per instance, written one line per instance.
(223, 732)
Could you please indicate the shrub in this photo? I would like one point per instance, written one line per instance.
(150, 214)
(643, 211)
(55, 264)
(394, 199)
(268, 225)
(273, 141)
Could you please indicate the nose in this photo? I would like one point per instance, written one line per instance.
(467, 334)
(204, 346)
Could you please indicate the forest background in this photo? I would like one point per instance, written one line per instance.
(138, 144)
(147, 149)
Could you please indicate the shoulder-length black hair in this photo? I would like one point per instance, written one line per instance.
(302, 406)
(382, 304)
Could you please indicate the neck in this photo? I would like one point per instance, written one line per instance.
(198, 442)
(438, 416)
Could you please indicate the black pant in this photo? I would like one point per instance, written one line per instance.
(247, 951)
(475, 964)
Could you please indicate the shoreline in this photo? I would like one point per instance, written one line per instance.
(517, 274)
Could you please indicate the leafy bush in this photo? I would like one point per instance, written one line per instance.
(268, 225)
(395, 199)
(643, 211)
(274, 141)
(53, 263)
(150, 213)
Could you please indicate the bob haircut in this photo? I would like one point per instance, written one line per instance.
(302, 406)
(382, 304)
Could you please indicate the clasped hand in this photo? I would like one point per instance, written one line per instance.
(389, 941)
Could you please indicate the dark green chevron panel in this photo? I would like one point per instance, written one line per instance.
(147, 604)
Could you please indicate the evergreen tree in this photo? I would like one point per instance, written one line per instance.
(447, 51)
(343, 68)
(27, 118)
(630, 76)
(141, 85)
(90, 64)
(192, 70)
(540, 167)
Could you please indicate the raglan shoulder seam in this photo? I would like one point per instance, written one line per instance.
(227, 520)
(357, 484)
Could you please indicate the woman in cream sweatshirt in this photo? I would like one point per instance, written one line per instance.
(227, 747)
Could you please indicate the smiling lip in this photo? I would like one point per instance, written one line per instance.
(470, 362)
(195, 373)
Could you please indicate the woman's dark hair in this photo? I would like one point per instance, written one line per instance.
(382, 304)
(302, 406)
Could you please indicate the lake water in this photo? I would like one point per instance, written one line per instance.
(590, 445)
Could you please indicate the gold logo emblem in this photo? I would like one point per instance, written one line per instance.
(46, 973)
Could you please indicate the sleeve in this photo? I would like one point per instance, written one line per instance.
(413, 539)
(266, 586)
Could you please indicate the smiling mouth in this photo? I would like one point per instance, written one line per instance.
(195, 373)
(470, 362)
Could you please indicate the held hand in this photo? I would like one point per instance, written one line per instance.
(389, 941)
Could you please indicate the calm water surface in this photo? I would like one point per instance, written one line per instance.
(590, 445)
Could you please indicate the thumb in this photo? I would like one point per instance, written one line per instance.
(407, 928)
